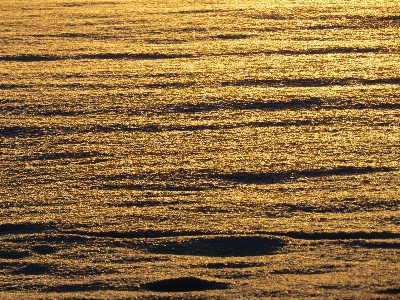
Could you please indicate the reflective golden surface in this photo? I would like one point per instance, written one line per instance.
(252, 145)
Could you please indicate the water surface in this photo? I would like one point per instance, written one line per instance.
(231, 148)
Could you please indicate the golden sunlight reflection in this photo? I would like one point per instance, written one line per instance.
(199, 149)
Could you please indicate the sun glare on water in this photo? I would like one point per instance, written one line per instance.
(199, 149)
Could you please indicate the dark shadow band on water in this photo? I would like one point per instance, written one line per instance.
(389, 291)
(24, 131)
(187, 108)
(333, 50)
(68, 288)
(310, 82)
(25, 228)
(159, 187)
(200, 180)
(219, 246)
(36, 131)
(324, 269)
(155, 56)
(202, 11)
(390, 18)
(60, 156)
(377, 106)
(349, 205)
(337, 235)
(280, 177)
(13, 254)
(272, 105)
(138, 234)
(250, 82)
(374, 244)
(196, 242)
(184, 284)
(112, 56)
(12, 86)
(84, 287)
(231, 36)
(312, 103)
(312, 51)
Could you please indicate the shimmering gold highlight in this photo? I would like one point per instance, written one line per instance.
(199, 149)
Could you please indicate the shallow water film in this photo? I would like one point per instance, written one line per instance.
(199, 149)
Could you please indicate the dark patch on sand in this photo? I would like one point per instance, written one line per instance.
(219, 246)
(184, 284)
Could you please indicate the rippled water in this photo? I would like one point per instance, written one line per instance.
(249, 147)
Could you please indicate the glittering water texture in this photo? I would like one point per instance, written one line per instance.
(199, 149)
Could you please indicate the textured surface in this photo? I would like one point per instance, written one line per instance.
(238, 148)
